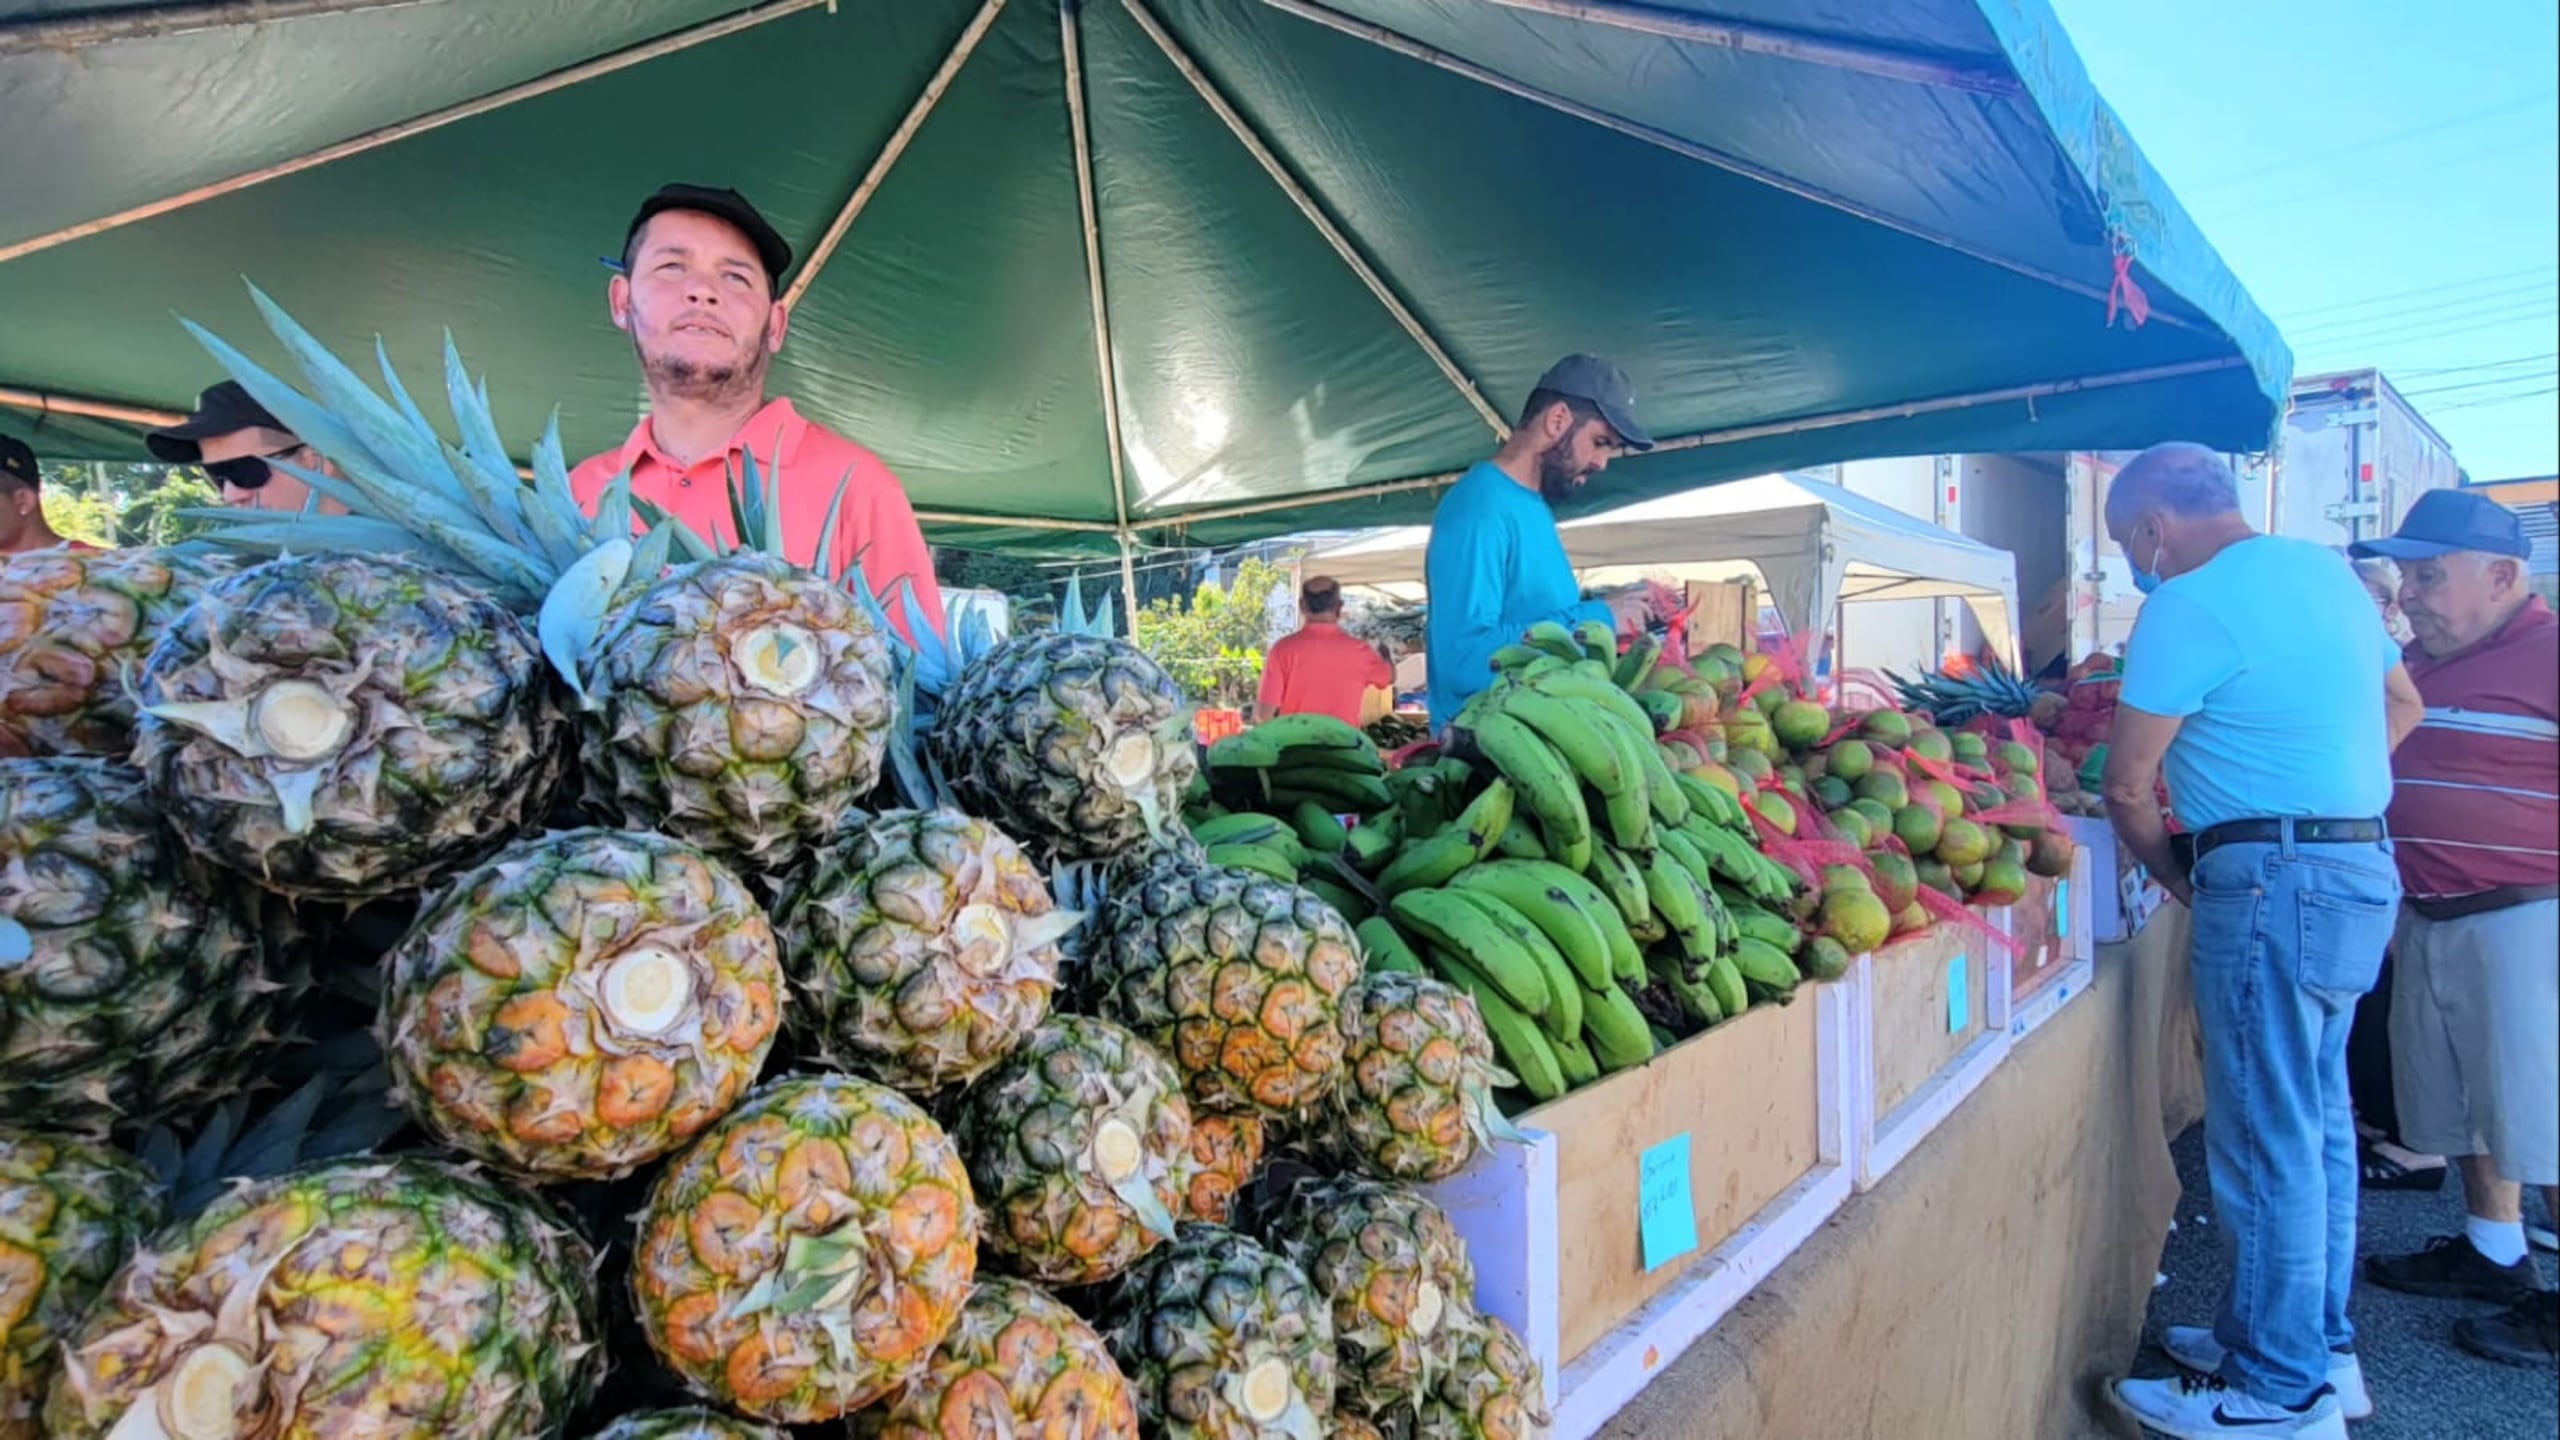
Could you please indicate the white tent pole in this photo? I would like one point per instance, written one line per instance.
(1316, 215)
(1106, 363)
(622, 59)
(1904, 410)
(75, 32)
(1411, 49)
(916, 115)
(1952, 72)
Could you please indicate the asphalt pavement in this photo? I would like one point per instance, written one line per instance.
(2424, 1386)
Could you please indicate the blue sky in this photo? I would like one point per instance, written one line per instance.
(2383, 176)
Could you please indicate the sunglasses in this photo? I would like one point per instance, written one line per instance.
(248, 472)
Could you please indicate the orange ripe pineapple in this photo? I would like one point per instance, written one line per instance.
(582, 1004)
(804, 1257)
(1020, 1363)
(1226, 1152)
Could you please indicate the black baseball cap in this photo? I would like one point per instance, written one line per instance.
(2446, 521)
(727, 205)
(18, 462)
(1605, 387)
(219, 411)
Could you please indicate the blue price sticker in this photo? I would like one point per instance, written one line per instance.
(1667, 1211)
(2062, 908)
(1959, 1002)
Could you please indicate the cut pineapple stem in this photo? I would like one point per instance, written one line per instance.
(982, 939)
(1116, 1151)
(298, 720)
(777, 659)
(1132, 762)
(200, 1399)
(1268, 1390)
(647, 992)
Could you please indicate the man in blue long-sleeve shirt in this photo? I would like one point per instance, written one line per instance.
(1495, 566)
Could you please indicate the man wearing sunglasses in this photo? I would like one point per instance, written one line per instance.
(239, 445)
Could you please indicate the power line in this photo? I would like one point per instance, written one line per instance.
(2544, 271)
(2433, 329)
(2545, 358)
(2497, 400)
(2433, 164)
(2440, 309)
(2494, 382)
(2377, 142)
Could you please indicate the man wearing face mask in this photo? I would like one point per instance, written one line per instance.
(234, 438)
(2260, 675)
(699, 294)
(1495, 565)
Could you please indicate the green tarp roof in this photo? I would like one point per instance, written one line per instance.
(1810, 229)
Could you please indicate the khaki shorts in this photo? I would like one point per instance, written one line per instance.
(2475, 1037)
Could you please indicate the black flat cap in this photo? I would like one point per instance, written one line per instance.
(727, 205)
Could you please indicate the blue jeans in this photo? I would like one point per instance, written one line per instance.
(2287, 937)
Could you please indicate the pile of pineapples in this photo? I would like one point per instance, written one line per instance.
(475, 968)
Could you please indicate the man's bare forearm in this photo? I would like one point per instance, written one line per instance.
(2142, 831)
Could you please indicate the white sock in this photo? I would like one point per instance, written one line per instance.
(2501, 1241)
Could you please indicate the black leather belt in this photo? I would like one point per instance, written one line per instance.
(2271, 832)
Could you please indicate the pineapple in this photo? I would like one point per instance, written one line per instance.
(1347, 1426)
(807, 1253)
(924, 947)
(1226, 1152)
(1491, 1391)
(736, 702)
(127, 993)
(1402, 1288)
(380, 1298)
(1071, 1144)
(1020, 1363)
(1222, 1340)
(69, 1213)
(582, 1004)
(1078, 745)
(347, 728)
(1237, 978)
(690, 1423)
(1416, 1102)
(70, 622)
(742, 704)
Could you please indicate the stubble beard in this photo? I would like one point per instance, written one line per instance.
(707, 384)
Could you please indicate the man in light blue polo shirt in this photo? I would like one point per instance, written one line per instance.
(1495, 565)
(2259, 672)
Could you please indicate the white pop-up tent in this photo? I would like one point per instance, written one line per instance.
(1814, 544)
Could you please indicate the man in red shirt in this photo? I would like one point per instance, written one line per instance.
(697, 294)
(1321, 670)
(2475, 998)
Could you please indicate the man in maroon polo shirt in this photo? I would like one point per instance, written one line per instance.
(2475, 1000)
(1322, 668)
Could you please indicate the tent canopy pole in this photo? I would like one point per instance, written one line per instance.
(1954, 72)
(80, 31)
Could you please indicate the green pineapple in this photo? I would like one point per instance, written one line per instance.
(690, 1423)
(129, 994)
(71, 622)
(348, 727)
(1402, 1288)
(1222, 1340)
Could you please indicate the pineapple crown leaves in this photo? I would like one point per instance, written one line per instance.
(458, 507)
(1074, 619)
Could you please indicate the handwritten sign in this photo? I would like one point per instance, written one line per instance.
(1959, 1002)
(1669, 1215)
(2062, 908)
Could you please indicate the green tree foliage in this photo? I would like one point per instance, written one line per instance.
(126, 505)
(1212, 644)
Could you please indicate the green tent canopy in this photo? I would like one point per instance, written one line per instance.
(1161, 271)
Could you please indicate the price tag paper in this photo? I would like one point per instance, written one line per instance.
(1669, 1215)
(1959, 1003)
(2062, 908)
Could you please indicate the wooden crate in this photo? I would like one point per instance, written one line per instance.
(1917, 1063)
(1553, 1224)
(2055, 960)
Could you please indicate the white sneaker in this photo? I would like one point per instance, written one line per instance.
(2194, 1347)
(2201, 1407)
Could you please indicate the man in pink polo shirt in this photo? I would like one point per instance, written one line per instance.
(698, 295)
(1322, 668)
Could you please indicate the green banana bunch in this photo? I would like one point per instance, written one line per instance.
(1260, 859)
(1738, 860)
(1615, 1028)
(1524, 1048)
(1527, 888)
(1466, 840)
(1385, 947)
(1563, 1017)
(1461, 935)
(1545, 783)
